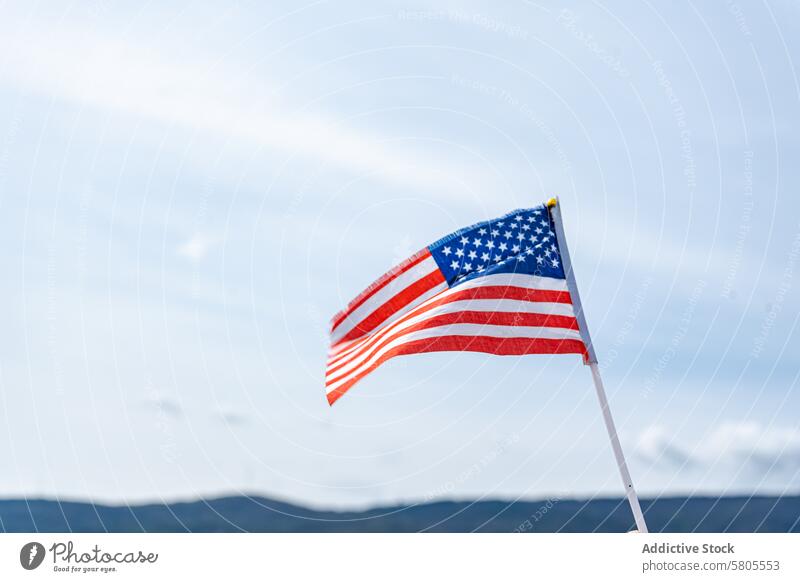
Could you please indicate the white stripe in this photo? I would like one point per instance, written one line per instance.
(515, 280)
(465, 329)
(395, 286)
(465, 304)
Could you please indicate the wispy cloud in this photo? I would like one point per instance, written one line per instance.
(197, 247)
(733, 444)
(764, 448)
(82, 65)
(164, 405)
(655, 444)
(232, 417)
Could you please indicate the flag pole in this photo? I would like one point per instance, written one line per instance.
(591, 359)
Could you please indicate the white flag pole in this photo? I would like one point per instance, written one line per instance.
(591, 359)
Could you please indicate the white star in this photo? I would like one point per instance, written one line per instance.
(500, 223)
(480, 268)
(539, 260)
(477, 242)
(553, 248)
(538, 230)
(467, 267)
(537, 212)
(520, 258)
(520, 236)
(515, 249)
(526, 227)
(507, 234)
(454, 265)
(497, 259)
(490, 244)
(495, 232)
(446, 251)
(513, 225)
(531, 218)
(482, 231)
(554, 262)
(543, 222)
(459, 253)
(464, 240)
(503, 246)
(485, 257)
(533, 238)
(517, 217)
(472, 254)
(547, 253)
(529, 251)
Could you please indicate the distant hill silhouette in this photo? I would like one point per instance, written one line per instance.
(258, 514)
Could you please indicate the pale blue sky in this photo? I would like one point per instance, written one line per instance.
(189, 192)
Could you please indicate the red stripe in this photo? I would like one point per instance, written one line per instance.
(515, 293)
(378, 285)
(477, 317)
(488, 292)
(395, 304)
(489, 345)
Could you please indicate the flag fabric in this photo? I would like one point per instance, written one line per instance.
(497, 287)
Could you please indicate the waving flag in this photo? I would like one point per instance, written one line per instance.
(498, 287)
(503, 286)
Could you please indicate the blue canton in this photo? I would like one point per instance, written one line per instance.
(522, 241)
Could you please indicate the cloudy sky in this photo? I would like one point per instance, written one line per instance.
(190, 191)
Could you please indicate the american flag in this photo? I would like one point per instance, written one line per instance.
(498, 287)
